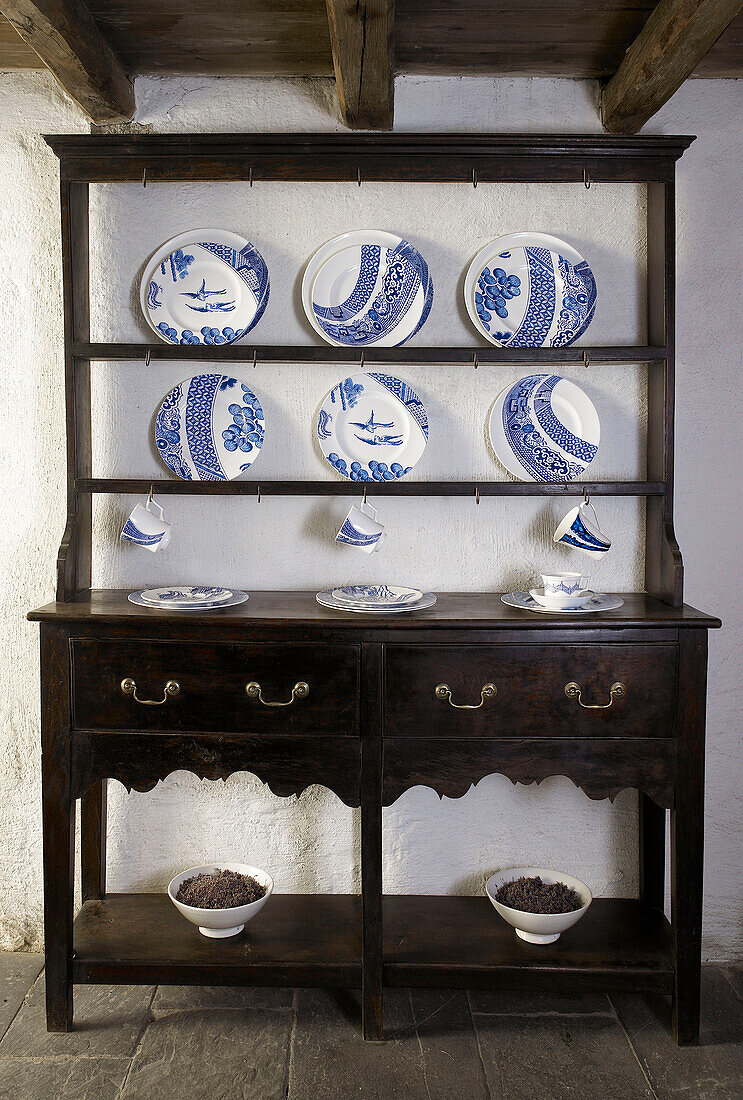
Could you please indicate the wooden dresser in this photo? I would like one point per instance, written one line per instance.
(371, 725)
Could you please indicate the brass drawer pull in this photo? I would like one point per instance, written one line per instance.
(488, 691)
(616, 691)
(300, 691)
(130, 688)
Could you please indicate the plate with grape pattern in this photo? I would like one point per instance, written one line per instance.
(530, 290)
(207, 286)
(187, 595)
(367, 287)
(237, 597)
(544, 428)
(376, 597)
(209, 428)
(372, 427)
(327, 599)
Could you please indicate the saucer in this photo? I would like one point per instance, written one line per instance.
(560, 601)
(599, 601)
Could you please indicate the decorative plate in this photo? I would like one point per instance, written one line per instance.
(236, 598)
(530, 290)
(367, 287)
(207, 286)
(599, 602)
(372, 427)
(186, 595)
(375, 597)
(544, 428)
(209, 428)
(326, 600)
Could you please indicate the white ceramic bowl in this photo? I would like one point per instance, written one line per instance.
(560, 600)
(220, 923)
(538, 927)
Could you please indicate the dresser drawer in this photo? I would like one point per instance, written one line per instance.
(530, 698)
(211, 684)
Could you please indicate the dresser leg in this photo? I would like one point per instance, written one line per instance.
(59, 862)
(93, 809)
(687, 837)
(371, 840)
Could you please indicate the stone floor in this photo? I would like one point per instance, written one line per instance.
(138, 1042)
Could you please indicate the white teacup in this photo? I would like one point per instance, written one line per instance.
(564, 584)
(146, 527)
(580, 529)
(361, 529)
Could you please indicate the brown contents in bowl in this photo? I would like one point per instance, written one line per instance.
(531, 895)
(220, 890)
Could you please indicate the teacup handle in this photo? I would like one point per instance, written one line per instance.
(151, 501)
(368, 509)
(587, 504)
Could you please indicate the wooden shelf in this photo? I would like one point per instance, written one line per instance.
(310, 939)
(487, 355)
(378, 488)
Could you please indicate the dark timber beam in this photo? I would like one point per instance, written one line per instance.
(669, 47)
(65, 36)
(362, 39)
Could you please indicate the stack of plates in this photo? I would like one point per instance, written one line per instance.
(375, 598)
(188, 597)
(367, 287)
(544, 428)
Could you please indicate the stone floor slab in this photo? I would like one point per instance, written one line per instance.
(62, 1078)
(734, 975)
(504, 1002)
(216, 1054)
(108, 1020)
(185, 998)
(331, 1061)
(584, 1058)
(18, 972)
(451, 1054)
(713, 1070)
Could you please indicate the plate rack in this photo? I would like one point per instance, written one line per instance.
(471, 159)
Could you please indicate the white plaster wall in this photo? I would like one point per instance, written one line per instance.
(311, 843)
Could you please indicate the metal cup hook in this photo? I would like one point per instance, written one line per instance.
(477, 494)
(361, 361)
(364, 498)
(586, 496)
(586, 179)
(358, 176)
(474, 177)
(258, 495)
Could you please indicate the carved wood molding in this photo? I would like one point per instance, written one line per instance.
(287, 764)
(601, 768)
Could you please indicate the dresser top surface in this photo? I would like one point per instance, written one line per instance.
(483, 610)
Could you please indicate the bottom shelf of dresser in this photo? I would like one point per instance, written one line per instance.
(315, 940)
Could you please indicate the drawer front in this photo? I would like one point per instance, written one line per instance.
(211, 679)
(530, 698)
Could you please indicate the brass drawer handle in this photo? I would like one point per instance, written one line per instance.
(488, 691)
(300, 691)
(616, 691)
(130, 688)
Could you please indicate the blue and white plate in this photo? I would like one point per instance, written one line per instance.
(599, 602)
(530, 290)
(327, 599)
(544, 428)
(236, 598)
(187, 595)
(207, 286)
(372, 427)
(367, 287)
(209, 428)
(376, 597)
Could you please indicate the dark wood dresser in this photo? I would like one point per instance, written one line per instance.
(372, 724)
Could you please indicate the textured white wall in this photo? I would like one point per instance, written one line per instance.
(311, 843)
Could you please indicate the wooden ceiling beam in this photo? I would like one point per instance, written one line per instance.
(362, 41)
(67, 39)
(674, 40)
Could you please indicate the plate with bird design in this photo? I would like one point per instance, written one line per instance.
(207, 286)
(372, 427)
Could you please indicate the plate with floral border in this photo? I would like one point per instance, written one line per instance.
(376, 597)
(235, 599)
(367, 287)
(530, 290)
(372, 427)
(207, 286)
(187, 595)
(209, 428)
(544, 428)
(325, 599)
(601, 601)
